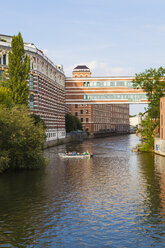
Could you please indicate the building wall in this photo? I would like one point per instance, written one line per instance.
(96, 117)
(102, 117)
(103, 90)
(162, 118)
(46, 85)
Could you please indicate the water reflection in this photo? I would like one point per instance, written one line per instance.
(115, 199)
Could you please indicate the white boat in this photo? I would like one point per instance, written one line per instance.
(67, 155)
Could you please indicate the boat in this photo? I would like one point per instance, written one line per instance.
(68, 155)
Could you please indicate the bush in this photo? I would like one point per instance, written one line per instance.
(4, 161)
(21, 140)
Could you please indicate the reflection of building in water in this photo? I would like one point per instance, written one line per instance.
(46, 85)
(96, 118)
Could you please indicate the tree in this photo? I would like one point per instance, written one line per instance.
(152, 81)
(72, 123)
(37, 119)
(146, 130)
(21, 139)
(19, 68)
(5, 96)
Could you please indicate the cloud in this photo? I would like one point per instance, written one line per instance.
(102, 69)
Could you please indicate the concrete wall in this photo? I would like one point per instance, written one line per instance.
(74, 136)
(159, 146)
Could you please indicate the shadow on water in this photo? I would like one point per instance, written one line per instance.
(116, 199)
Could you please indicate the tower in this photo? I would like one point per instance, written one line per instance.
(81, 71)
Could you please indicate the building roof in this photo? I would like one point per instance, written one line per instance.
(81, 67)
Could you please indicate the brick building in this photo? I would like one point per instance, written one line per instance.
(162, 118)
(46, 85)
(96, 118)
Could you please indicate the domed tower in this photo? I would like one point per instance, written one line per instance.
(81, 71)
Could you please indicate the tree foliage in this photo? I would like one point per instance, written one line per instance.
(37, 119)
(152, 81)
(146, 130)
(72, 123)
(19, 68)
(21, 140)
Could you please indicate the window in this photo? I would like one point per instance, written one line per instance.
(81, 119)
(31, 102)
(81, 111)
(86, 111)
(161, 120)
(4, 59)
(76, 113)
(86, 119)
(1, 71)
(31, 82)
(76, 106)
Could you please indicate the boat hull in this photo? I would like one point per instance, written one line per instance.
(63, 155)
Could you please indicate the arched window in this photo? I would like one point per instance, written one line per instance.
(31, 102)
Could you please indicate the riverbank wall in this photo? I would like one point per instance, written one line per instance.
(159, 147)
(79, 136)
(74, 136)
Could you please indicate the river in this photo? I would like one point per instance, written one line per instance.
(115, 199)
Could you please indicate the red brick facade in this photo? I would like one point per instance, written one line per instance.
(95, 118)
(162, 118)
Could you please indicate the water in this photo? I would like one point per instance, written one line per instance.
(116, 199)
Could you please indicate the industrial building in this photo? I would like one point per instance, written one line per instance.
(46, 85)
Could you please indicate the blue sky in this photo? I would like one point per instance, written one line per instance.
(113, 37)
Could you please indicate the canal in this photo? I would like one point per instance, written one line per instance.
(116, 199)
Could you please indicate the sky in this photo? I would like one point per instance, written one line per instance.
(112, 37)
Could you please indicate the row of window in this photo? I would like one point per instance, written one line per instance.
(81, 105)
(129, 97)
(81, 119)
(81, 112)
(128, 84)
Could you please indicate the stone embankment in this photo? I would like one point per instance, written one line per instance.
(159, 146)
(74, 136)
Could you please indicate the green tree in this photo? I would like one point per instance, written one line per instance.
(72, 123)
(5, 98)
(37, 119)
(152, 81)
(19, 68)
(21, 140)
(146, 130)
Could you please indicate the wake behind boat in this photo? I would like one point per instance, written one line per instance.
(75, 155)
